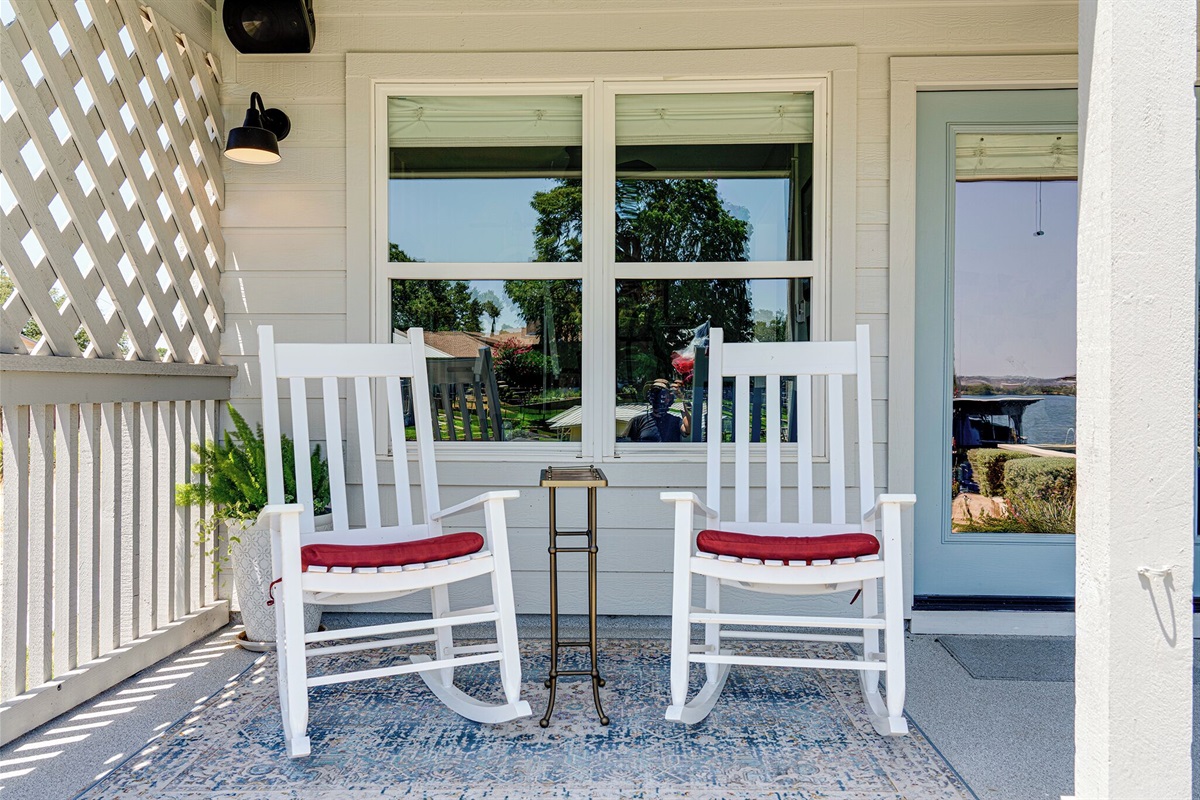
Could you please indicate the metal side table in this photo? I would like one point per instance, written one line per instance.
(591, 479)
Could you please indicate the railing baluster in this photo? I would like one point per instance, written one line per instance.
(127, 544)
(88, 596)
(66, 538)
(164, 573)
(41, 542)
(110, 509)
(214, 579)
(147, 519)
(182, 454)
(15, 556)
(196, 567)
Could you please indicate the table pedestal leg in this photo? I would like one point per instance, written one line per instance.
(591, 549)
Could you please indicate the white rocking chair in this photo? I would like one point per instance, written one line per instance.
(789, 558)
(376, 562)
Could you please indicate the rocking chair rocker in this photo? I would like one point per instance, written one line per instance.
(378, 561)
(789, 558)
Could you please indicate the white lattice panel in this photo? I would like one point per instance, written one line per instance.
(110, 183)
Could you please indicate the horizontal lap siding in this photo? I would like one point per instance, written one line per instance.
(285, 226)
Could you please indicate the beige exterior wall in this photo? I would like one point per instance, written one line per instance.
(285, 226)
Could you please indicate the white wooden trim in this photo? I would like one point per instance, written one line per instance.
(632, 270)
(482, 68)
(363, 152)
(908, 76)
(602, 194)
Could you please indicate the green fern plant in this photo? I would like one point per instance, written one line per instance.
(234, 475)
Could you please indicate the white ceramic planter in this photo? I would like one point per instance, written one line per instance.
(251, 557)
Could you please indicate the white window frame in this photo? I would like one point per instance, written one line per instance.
(830, 73)
(602, 416)
(385, 271)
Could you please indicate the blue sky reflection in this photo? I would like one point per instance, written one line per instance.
(1014, 291)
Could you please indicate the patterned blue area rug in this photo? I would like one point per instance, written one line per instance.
(775, 733)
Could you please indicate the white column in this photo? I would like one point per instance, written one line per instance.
(1137, 404)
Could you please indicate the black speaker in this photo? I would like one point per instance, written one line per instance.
(270, 26)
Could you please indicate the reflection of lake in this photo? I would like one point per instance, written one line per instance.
(1051, 421)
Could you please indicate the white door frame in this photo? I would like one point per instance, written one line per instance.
(908, 76)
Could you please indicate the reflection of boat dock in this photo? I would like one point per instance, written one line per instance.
(1041, 450)
(990, 421)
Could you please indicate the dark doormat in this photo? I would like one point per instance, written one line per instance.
(1014, 658)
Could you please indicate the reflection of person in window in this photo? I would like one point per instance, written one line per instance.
(657, 424)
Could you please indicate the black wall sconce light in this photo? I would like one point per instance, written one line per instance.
(257, 140)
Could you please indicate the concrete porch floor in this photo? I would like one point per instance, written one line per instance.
(1010, 740)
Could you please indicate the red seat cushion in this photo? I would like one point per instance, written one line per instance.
(787, 548)
(436, 548)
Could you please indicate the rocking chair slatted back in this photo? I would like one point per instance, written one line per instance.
(337, 460)
(361, 366)
(399, 451)
(832, 363)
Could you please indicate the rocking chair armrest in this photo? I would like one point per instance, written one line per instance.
(889, 499)
(486, 497)
(281, 510)
(688, 497)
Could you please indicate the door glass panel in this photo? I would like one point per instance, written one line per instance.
(1013, 419)
(480, 179)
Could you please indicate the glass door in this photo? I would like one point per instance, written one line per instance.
(996, 233)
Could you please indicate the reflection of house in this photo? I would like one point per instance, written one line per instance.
(466, 344)
(448, 344)
(569, 424)
(523, 336)
(456, 344)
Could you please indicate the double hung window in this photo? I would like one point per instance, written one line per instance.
(567, 247)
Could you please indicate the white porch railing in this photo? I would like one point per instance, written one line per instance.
(101, 574)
